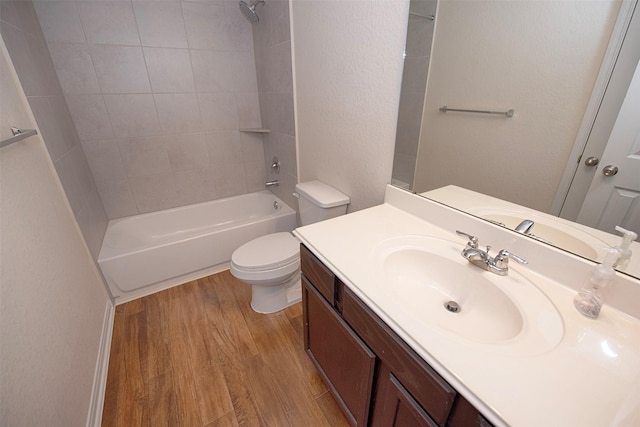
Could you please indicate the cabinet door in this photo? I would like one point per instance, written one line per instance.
(433, 393)
(465, 415)
(344, 361)
(395, 407)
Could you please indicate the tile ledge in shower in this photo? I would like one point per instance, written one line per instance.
(255, 130)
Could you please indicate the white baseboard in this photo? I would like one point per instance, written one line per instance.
(96, 405)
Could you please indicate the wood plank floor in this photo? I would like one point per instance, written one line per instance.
(197, 355)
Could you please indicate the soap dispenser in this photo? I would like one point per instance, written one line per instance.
(625, 252)
(591, 297)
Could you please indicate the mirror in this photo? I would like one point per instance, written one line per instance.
(540, 59)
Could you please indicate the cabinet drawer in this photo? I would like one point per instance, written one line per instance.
(319, 275)
(344, 361)
(433, 393)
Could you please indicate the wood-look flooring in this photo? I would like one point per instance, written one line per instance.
(197, 355)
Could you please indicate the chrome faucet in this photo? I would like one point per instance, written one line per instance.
(273, 183)
(525, 226)
(480, 258)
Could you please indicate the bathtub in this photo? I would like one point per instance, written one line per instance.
(146, 253)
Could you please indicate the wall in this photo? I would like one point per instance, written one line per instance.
(53, 306)
(545, 71)
(272, 43)
(24, 39)
(157, 91)
(347, 74)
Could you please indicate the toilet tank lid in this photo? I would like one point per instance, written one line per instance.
(322, 194)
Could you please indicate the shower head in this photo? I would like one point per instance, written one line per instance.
(249, 10)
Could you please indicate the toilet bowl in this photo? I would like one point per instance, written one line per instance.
(271, 263)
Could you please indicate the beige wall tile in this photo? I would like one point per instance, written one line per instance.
(154, 192)
(117, 198)
(178, 113)
(133, 115)
(120, 69)
(218, 110)
(169, 70)
(74, 68)
(144, 156)
(160, 23)
(213, 70)
(104, 159)
(89, 113)
(60, 21)
(109, 22)
(229, 179)
(55, 124)
(188, 153)
(224, 147)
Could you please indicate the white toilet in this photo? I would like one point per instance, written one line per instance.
(271, 263)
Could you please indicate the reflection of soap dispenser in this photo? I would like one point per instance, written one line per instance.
(625, 252)
(591, 297)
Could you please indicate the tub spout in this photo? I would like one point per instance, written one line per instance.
(273, 183)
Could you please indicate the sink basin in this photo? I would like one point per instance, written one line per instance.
(549, 230)
(423, 275)
(486, 313)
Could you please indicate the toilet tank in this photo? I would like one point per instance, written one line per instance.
(318, 201)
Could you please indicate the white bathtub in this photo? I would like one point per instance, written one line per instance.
(146, 253)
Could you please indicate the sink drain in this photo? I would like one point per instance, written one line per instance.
(452, 306)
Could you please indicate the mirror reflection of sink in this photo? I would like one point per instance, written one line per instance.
(508, 313)
(549, 230)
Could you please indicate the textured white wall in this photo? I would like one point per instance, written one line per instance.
(540, 58)
(347, 75)
(52, 300)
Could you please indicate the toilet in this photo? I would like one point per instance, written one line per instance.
(271, 263)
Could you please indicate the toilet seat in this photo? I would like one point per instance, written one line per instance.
(268, 259)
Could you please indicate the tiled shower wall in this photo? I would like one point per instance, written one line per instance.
(28, 51)
(158, 91)
(414, 87)
(272, 40)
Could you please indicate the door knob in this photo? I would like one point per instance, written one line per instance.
(610, 170)
(592, 161)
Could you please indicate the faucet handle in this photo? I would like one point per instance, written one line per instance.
(473, 240)
(502, 259)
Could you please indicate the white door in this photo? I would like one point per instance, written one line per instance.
(614, 195)
(573, 199)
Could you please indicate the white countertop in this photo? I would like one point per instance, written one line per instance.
(590, 378)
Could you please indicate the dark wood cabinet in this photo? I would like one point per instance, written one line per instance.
(395, 406)
(377, 379)
(465, 415)
(344, 361)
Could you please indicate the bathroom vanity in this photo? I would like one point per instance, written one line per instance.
(375, 286)
(346, 341)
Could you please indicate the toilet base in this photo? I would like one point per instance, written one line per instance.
(270, 299)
